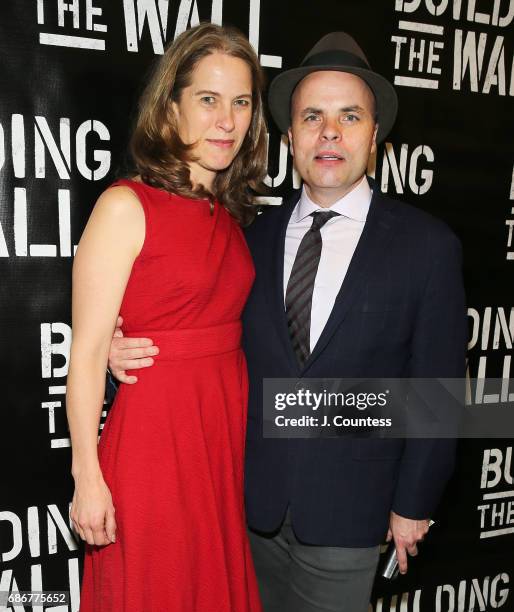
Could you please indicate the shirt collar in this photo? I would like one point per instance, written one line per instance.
(354, 205)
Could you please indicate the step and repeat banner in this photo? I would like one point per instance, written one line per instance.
(71, 72)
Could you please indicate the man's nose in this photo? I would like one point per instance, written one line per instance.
(331, 130)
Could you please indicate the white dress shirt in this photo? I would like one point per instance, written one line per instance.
(340, 236)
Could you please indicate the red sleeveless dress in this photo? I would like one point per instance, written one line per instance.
(172, 447)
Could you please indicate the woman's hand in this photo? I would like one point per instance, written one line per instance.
(92, 511)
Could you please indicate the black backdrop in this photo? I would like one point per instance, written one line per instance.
(70, 72)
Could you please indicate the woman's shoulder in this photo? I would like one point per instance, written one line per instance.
(151, 196)
(117, 219)
(145, 191)
(120, 200)
(126, 186)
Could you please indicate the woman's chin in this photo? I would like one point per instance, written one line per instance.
(220, 164)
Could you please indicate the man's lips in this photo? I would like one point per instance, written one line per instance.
(224, 144)
(329, 156)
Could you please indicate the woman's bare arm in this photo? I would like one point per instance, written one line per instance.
(111, 241)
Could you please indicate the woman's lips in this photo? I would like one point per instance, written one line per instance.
(224, 144)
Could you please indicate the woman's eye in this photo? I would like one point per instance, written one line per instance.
(242, 102)
(207, 99)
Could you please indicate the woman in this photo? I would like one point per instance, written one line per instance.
(160, 501)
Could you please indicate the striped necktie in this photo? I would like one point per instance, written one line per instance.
(301, 286)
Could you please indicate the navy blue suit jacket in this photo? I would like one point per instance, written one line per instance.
(400, 313)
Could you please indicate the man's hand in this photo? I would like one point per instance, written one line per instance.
(406, 533)
(129, 354)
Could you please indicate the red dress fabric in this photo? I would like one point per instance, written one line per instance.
(172, 447)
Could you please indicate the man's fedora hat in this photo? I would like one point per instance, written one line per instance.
(335, 51)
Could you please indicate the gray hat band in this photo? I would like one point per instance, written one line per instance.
(335, 58)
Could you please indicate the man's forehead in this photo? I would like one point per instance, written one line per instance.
(321, 83)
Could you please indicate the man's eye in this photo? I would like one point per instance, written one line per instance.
(207, 100)
(351, 118)
(311, 117)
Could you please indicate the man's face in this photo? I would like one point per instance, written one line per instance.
(332, 133)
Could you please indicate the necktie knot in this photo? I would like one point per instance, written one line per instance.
(320, 218)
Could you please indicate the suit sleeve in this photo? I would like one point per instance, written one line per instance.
(111, 387)
(438, 350)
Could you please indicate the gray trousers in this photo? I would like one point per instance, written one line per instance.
(295, 577)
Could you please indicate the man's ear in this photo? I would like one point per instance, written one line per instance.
(374, 144)
(290, 136)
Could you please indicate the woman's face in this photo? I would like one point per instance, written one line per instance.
(215, 112)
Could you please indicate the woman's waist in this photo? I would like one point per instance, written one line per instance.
(191, 343)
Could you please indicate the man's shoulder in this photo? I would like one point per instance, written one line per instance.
(270, 215)
(418, 222)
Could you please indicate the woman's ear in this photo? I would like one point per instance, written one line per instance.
(173, 110)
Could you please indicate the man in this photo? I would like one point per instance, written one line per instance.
(349, 284)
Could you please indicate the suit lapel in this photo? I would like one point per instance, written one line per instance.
(370, 248)
(276, 286)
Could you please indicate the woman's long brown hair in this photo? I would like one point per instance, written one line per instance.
(160, 156)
